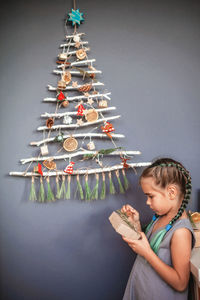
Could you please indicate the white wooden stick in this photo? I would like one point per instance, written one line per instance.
(73, 44)
(74, 52)
(63, 126)
(78, 63)
(71, 36)
(78, 135)
(82, 97)
(79, 153)
(70, 87)
(73, 113)
(82, 172)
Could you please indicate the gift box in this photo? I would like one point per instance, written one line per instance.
(122, 226)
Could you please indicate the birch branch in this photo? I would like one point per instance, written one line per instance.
(70, 87)
(82, 97)
(74, 52)
(73, 113)
(71, 36)
(63, 126)
(73, 44)
(79, 153)
(77, 63)
(82, 172)
(78, 135)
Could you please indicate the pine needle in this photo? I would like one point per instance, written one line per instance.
(79, 188)
(32, 196)
(121, 188)
(50, 195)
(87, 189)
(96, 188)
(57, 188)
(126, 183)
(68, 187)
(112, 187)
(103, 188)
(62, 193)
(41, 197)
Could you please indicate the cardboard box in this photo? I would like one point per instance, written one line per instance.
(123, 227)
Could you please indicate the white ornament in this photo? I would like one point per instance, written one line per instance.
(91, 146)
(67, 120)
(44, 150)
(76, 38)
(62, 56)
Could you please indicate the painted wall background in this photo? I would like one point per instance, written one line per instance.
(148, 52)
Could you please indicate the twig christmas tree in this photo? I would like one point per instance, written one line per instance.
(79, 104)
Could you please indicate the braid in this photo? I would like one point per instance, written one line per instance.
(160, 171)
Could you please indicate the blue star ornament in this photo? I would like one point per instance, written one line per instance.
(76, 17)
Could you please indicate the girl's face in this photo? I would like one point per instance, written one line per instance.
(157, 197)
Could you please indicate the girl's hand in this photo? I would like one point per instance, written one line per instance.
(133, 216)
(141, 246)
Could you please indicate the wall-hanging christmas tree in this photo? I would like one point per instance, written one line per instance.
(80, 119)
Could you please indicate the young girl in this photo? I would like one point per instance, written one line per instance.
(162, 267)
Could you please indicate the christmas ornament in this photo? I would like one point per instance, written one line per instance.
(76, 17)
(62, 56)
(124, 162)
(49, 164)
(81, 54)
(76, 38)
(38, 169)
(61, 96)
(59, 137)
(80, 111)
(67, 77)
(103, 104)
(69, 168)
(70, 144)
(65, 103)
(108, 127)
(77, 45)
(61, 84)
(79, 122)
(85, 88)
(90, 101)
(67, 120)
(74, 84)
(91, 146)
(44, 150)
(91, 115)
(49, 122)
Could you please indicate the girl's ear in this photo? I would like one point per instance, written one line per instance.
(172, 191)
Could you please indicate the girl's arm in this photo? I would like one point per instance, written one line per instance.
(176, 276)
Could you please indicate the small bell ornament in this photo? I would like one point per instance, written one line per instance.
(80, 111)
(69, 168)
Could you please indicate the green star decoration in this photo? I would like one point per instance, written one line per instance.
(76, 17)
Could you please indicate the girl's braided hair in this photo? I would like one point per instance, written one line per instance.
(167, 171)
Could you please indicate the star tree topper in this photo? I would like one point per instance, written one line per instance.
(76, 17)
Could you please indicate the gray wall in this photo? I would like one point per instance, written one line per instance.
(149, 54)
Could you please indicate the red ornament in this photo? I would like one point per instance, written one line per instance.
(69, 168)
(40, 169)
(81, 108)
(108, 127)
(61, 96)
(124, 161)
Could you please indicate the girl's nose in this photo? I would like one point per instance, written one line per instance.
(148, 201)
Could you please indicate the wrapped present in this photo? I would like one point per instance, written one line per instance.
(122, 226)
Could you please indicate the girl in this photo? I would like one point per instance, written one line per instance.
(162, 267)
